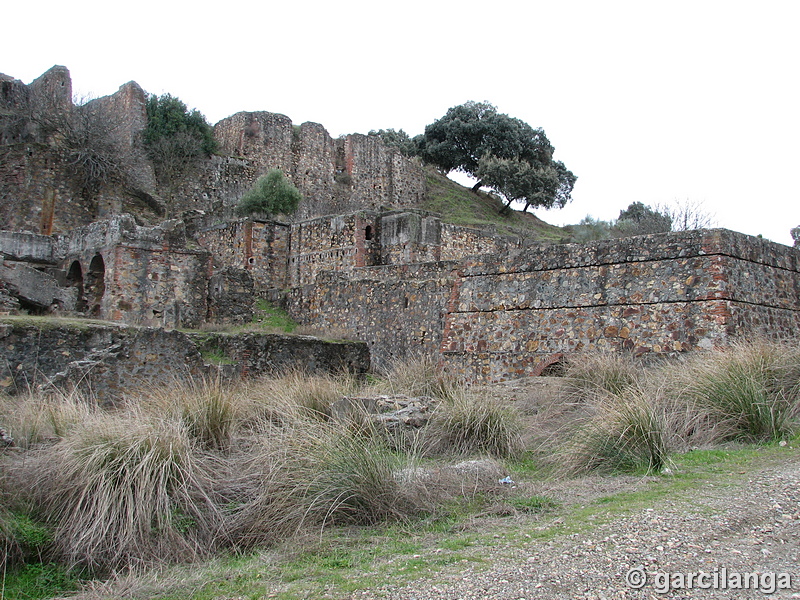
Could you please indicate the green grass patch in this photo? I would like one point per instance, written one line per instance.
(534, 504)
(50, 322)
(216, 356)
(34, 581)
(267, 316)
(461, 206)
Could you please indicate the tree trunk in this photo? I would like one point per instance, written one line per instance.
(477, 186)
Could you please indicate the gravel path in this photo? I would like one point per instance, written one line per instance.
(745, 523)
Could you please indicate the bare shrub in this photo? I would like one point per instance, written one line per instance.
(687, 215)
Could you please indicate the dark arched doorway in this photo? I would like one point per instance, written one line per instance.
(95, 285)
(75, 279)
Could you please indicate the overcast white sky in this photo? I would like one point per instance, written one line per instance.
(644, 101)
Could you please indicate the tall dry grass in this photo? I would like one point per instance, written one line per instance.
(33, 419)
(419, 377)
(121, 490)
(633, 418)
(597, 374)
(470, 423)
(750, 389)
(201, 466)
(629, 431)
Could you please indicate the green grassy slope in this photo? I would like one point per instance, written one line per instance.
(460, 205)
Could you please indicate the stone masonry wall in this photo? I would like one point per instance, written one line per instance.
(494, 317)
(260, 247)
(114, 362)
(664, 293)
(139, 275)
(459, 242)
(334, 243)
(398, 310)
(37, 191)
(335, 176)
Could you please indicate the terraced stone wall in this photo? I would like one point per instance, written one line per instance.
(399, 310)
(496, 317)
(661, 294)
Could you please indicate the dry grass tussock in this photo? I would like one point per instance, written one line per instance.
(466, 423)
(38, 418)
(419, 377)
(633, 417)
(203, 467)
(185, 472)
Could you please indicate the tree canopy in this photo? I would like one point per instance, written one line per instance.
(175, 137)
(396, 139)
(271, 193)
(168, 117)
(639, 219)
(501, 152)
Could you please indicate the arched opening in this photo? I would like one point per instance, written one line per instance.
(95, 285)
(368, 232)
(75, 279)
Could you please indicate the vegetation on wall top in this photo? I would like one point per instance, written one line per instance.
(175, 137)
(271, 194)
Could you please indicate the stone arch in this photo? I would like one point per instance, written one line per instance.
(95, 284)
(75, 279)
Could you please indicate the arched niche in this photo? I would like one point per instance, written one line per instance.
(95, 285)
(75, 279)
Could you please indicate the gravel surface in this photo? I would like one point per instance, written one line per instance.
(743, 523)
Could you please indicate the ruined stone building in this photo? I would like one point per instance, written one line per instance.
(359, 256)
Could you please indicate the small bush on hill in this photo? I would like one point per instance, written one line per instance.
(271, 194)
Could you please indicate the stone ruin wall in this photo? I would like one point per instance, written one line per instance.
(497, 317)
(459, 242)
(35, 190)
(399, 310)
(334, 243)
(400, 279)
(38, 191)
(259, 247)
(112, 362)
(335, 176)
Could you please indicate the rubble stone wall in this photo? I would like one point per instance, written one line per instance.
(113, 362)
(399, 310)
(495, 317)
(259, 247)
